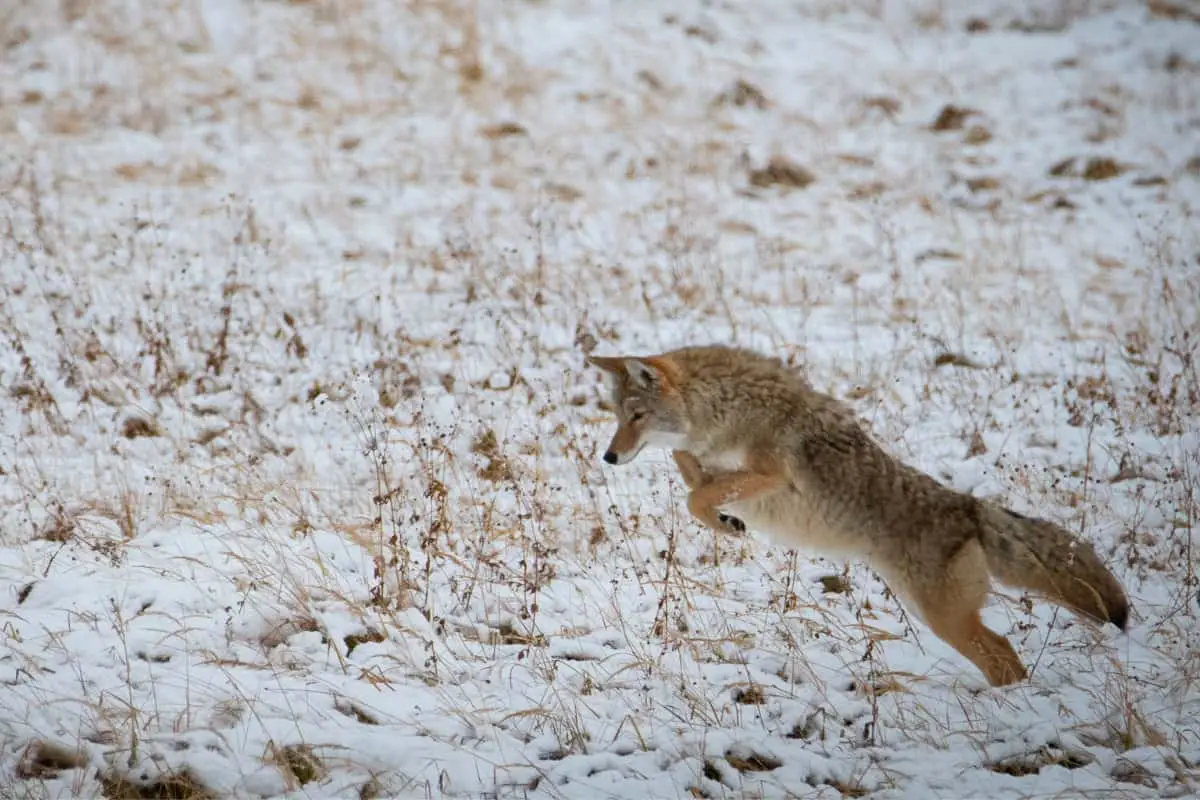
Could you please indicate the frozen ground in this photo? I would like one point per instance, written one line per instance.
(300, 493)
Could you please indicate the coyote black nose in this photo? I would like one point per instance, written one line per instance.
(610, 457)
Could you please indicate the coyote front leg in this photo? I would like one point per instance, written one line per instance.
(695, 476)
(733, 487)
(689, 468)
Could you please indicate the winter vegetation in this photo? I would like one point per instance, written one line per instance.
(301, 492)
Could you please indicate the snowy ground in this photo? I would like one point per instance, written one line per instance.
(299, 470)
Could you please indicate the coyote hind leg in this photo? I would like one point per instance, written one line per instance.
(951, 605)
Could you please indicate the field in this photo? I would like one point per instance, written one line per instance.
(300, 481)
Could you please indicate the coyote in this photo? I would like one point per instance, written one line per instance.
(760, 448)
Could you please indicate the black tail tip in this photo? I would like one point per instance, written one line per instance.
(1120, 617)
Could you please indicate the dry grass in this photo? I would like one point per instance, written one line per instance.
(292, 360)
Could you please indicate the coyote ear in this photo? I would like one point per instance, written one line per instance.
(609, 364)
(644, 374)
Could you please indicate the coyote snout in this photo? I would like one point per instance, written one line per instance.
(753, 439)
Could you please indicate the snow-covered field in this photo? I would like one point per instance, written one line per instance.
(299, 460)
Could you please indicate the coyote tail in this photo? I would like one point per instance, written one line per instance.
(1039, 556)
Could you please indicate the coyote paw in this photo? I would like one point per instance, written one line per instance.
(733, 524)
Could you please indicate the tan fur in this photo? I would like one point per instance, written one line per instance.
(753, 440)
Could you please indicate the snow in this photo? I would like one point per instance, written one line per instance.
(300, 487)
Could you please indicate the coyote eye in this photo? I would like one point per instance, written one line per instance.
(634, 416)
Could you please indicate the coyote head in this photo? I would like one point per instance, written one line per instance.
(645, 395)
